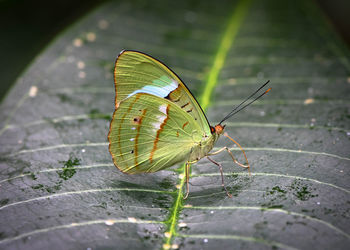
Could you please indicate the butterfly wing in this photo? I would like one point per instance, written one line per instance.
(149, 133)
(136, 72)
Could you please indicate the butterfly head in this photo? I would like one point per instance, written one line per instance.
(218, 129)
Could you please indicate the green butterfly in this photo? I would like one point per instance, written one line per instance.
(157, 122)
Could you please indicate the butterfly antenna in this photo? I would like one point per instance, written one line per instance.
(235, 111)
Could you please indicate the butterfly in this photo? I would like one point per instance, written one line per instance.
(157, 122)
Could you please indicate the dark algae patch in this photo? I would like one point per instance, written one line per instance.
(3, 202)
(49, 189)
(277, 189)
(66, 173)
(299, 189)
(275, 195)
(68, 170)
(276, 206)
(167, 183)
(32, 175)
(39, 186)
(302, 191)
(53, 188)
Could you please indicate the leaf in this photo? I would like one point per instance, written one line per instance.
(60, 190)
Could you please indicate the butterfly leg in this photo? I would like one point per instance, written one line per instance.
(222, 175)
(187, 179)
(233, 158)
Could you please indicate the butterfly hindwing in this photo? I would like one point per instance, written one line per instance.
(136, 72)
(149, 133)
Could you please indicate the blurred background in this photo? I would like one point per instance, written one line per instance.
(28, 26)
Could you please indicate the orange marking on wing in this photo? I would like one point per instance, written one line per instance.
(173, 95)
(136, 120)
(184, 105)
(158, 133)
(137, 135)
(185, 124)
(177, 133)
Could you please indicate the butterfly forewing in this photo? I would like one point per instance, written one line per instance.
(136, 72)
(149, 133)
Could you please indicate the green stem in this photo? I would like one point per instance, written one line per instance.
(228, 39)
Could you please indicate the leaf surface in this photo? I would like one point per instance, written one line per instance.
(60, 189)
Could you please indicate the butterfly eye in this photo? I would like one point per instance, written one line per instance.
(212, 129)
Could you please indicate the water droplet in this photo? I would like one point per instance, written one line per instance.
(174, 246)
(188, 205)
(77, 42)
(109, 222)
(132, 219)
(166, 246)
(80, 65)
(232, 81)
(318, 203)
(348, 133)
(309, 101)
(103, 24)
(205, 240)
(91, 36)
(182, 224)
(83, 150)
(211, 212)
(33, 91)
(82, 74)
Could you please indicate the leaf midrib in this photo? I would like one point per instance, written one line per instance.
(226, 43)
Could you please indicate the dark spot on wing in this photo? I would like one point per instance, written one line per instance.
(136, 120)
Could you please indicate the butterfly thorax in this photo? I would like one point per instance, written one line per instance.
(207, 143)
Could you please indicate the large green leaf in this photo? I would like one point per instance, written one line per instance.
(60, 190)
